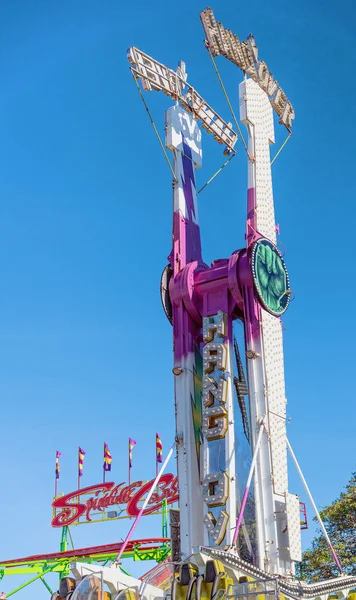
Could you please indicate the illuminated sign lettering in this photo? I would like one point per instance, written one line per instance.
(215, 486)
(245, 56)
(214, 392)
(214, 423)
(214, 355)
(102, 495)
(155, 76)
(217, 527)
(215, 489)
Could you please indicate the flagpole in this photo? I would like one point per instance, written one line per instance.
(158, 452)
(56, 480)
(129, 475)
(104, 465)
(156, 455)
(78, 474)
(78, 471)
(143, 507)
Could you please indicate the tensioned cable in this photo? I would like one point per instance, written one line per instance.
(217, 173)
(281, 148)
(163, 148)
(233, 113)
(227, 99)
(154, 126)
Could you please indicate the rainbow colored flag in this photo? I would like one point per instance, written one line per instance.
(81, 455)
(58, 455)
(132, 443)
(158, 449)
(107, 458)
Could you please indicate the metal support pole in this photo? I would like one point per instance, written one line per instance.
(78, 472)
(322, 526)
(129, 467)
(21, 587)
(46, 585)
(154, 485)
(247, 488)
(64, 543)
(70, 537)
(56, 480)
(164, 518)
(104, 464)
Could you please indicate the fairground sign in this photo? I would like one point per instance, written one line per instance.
(73, 506)
(245, 55)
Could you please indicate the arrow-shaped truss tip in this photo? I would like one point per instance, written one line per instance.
(244, 54)
(155, 76)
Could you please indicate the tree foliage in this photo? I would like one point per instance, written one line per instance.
(339, 519)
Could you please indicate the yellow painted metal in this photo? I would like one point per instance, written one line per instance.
(21, 587)
(186, 572)
(127, 595)
(215, 582)
(40, 569)
(258, 587)
(60, 565)
(213, 569)
(103, 518)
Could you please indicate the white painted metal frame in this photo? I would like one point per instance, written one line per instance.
(266, 370)
(179, 125)
(155, 76)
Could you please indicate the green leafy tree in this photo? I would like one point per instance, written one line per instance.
(340, 522)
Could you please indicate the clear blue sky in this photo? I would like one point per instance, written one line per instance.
(85, 229)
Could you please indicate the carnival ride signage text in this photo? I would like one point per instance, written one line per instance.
(103, 495)
(245, 55)
(155, 76)
(215, 486)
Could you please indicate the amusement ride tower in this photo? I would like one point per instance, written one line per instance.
(238, 538)
(202, 302)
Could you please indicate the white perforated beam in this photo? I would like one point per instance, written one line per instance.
(272, 487)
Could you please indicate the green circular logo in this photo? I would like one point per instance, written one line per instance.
(270, 277)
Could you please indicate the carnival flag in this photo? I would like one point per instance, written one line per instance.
(107, 458)
(81, 455)
(132, 443)
(158, 449)
(58, 455)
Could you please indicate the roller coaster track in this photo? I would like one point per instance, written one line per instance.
(97, 553)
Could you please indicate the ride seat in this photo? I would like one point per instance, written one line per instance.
(183, 584)
(66, 586)
(127, 594)
(215, 582)
(256, 587)
(189, 585)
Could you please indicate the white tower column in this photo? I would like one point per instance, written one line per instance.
(277, 510)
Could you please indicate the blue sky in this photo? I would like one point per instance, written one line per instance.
(85, 229)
